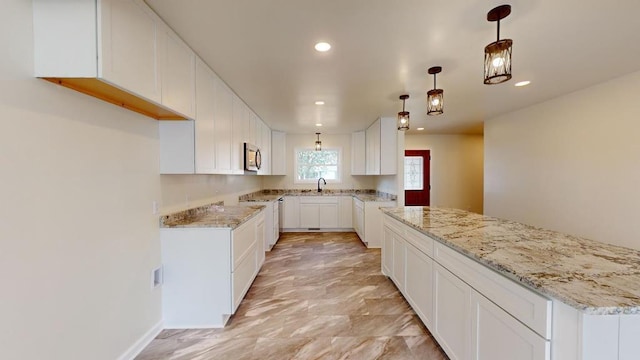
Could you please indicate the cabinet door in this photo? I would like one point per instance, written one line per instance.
(358, 153)
(388, 153)
(291, 212)
(128, 56)
(238, 135)
(260, 241)
(309, 216)
(399, 262)
(345, 213)
(278, 153)
(419, 284)
(452, 321)
(266, 150)
(205, 145)
(178, 74)
(328, 216)
(496, 335)
(223, 110)
(387, 251)
(372, 141)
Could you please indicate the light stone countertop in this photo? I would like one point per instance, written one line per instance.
(273, 195)
(213, 215)
(591, 276)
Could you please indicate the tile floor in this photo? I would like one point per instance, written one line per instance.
(318, 296)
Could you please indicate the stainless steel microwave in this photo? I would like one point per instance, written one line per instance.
(252, 157)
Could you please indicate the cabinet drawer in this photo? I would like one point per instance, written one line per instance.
(413, 237)
(320, 199)
(243, 239)
(242, 276)
(525, 305)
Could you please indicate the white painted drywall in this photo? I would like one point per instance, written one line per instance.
(342, 141)
(456, 169)
(570, 164)
(78, 239)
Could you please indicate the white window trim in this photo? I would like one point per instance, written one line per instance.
(314, 181)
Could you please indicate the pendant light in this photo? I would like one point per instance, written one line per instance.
(497, 55)
(403, 116)
(435, 97)
(318, 142)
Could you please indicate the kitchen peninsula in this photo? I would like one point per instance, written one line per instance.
(211, 255)
(491, 288)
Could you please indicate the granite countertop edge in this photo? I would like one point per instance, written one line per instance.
(210, 216)
(365, 195)
(521, 279)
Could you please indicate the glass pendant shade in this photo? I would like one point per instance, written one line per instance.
(497, 55)
(403, 116)
(435, 101)
(318, 142)
(497, 61)
(435, 97)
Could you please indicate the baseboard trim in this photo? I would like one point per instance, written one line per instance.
(142, 342)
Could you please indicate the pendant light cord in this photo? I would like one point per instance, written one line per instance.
(498, 30)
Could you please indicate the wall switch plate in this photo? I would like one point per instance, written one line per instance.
(155, 208)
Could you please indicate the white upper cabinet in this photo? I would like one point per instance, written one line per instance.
(107, 49)
(205, 134)
(381, 143)
(128, 56)
(265, 149)
(224, 109)
(358, 153)
(278, 154)
(178, 73)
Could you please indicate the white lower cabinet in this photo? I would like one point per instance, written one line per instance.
(497, 335)
(399, 262)
(452, 323)
(358, 217)
(270, 231)
(291, 212)
(419, 284)
(446, 291)
(208, 271)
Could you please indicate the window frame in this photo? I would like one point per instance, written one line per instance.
(313, 181)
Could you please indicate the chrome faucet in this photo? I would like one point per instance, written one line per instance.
(325, 182)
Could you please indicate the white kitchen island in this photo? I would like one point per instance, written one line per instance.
(493, 289)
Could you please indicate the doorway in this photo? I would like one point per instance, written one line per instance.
(417, 183)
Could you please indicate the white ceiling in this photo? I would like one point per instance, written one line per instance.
(263, 49)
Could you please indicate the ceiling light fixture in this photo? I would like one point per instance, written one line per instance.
(435, 97)
(420, 129)
(523, 83)
(497, 55)
(323, 46)
(319, 102)
(318, 124)
(403, 116)
(318, 142)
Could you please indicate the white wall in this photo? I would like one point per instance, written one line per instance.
(456, 169)
(78, 239)
(342, 141)
(570, 164)
(183, 191)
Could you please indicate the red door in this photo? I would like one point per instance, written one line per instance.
(416, 174)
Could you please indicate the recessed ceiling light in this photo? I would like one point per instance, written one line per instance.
(323, 46)
(523, 83)
(420, 129)
(318, 124)
(319, 102)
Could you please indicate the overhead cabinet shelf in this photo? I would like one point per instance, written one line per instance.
(118, 51)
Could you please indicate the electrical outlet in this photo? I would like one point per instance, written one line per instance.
(157, 277)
